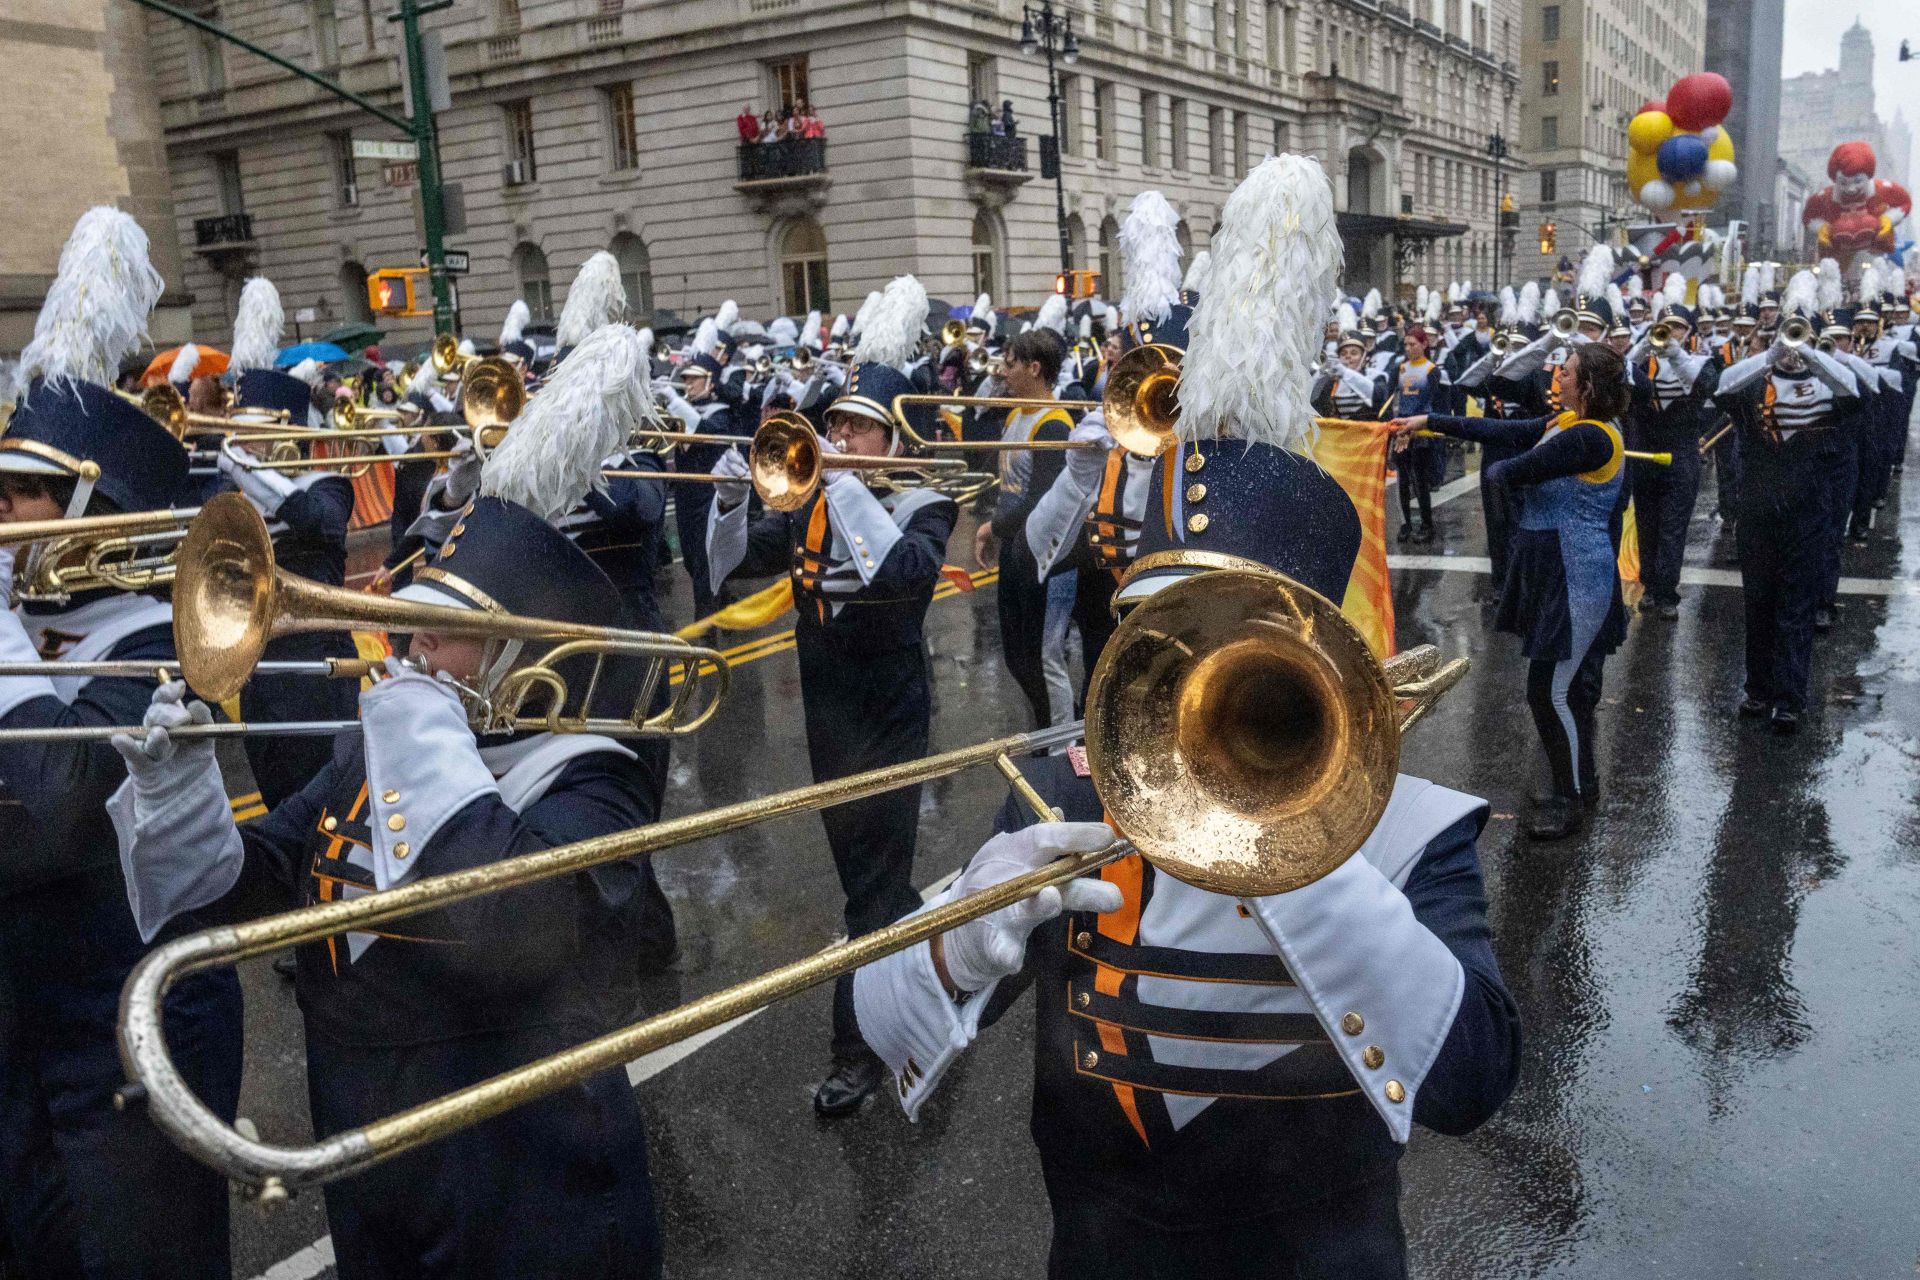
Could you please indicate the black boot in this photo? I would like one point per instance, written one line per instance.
(1426, 532)
(851, 1082)
(1784, 721)
(1752, 708)
(1406, 531)
(1557, 819)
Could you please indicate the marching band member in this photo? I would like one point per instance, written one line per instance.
(308, 513)
(85, 1189)
(475, 988)
(1682, 381)
(863, 567)
(1791, 404)
(1346, 388)
(1893, 359)
(697, 405)
(1516, 385)
(1223, 1086)
(1422, 388)
(1562, 594)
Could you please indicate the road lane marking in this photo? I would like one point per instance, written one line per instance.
(1690, 575)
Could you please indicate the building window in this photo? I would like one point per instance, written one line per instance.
(787, 82)
(367, 28)
(636, 275)
(1177, 18)
(536, 286)
(346, 177)
(1479, 27)
(1069, 115)
(1279, 137)
(1549, 131)
(521, 166)
(1549, 79)
(623, 131)
(1453, 19)
(1149, 129)
(1111, 285)
(1216, 142)
(1105, 121)
(1177, 118)
(1240, 144)
(326, 34)
(983, 80)
(803, 269)
(506, 17)
(206, 58)
(226, 177)
(986, 256)
(1550, 22)
(353, 292)
(1549, 186)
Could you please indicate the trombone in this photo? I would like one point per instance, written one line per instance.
(165, 405)
(1240, 734)
(90, 552)
(230, 600)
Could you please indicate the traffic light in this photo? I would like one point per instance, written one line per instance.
(1549, 238)
(1077, 283)
(1063, 284)
(1506, 203)
(397, 291)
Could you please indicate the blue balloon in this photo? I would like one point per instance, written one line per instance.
(1682, 157)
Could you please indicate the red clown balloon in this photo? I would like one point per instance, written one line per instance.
(1858, 211)
(1699, 101)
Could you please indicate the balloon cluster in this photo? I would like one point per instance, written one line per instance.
(1678, 156)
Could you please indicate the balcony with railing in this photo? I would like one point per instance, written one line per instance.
(230, 235)
(786, 177)
(996, 167)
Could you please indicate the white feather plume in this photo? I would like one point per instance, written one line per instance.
(1529, 309)
(1674, 287)
(1509, 307)
(1636, 286)
(1150, 254)
(892, 332)
(1455, 293)
(552, 455)
(1466, 289)
(706, 338)
(465, 347)
(1433, 306)
(1196, 281)
(96, 311)
(1550, 301)
(729, 316)
(514, 327)
(1370, 305)
(1870, 287)
(1251, 348)
(1802, 296)
(595, 298)
(185, 361)
(646, 339)
(982, 309)
(866, 310)
(425, 380)
(1750, 285)
(1832, 289)
(1911, 261)
(308, 371)
(1595, 270)
(810, 332)
(840, 326)
(783, 332)
(1769, 276)
(1053, 315)
(1616, 301)
(257, 326)
(1346, 318)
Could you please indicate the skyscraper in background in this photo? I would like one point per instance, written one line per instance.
(1743, 43)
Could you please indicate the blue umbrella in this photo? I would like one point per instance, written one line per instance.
(323, 352)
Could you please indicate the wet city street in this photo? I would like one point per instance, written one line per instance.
(1717, 977)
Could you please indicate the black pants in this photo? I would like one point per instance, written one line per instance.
(1727, 471)
(1496, 504)
(1562, 697)
(1420, 468)
(1093, 614)
(1842, 480)
(864, 711)
(690, 510)
(1022, 601)
(1663, 499)
(1353, 1234)
(1781, 544)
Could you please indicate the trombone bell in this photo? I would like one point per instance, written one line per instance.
(1142, 401)
(952, 333)
(492, 395)
(785, 461)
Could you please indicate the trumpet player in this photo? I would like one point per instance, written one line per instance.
(863, 569)
(478, 987)
(700, 410)
(1223, 1086)
(85, 1189)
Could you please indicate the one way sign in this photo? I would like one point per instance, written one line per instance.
(456, 261)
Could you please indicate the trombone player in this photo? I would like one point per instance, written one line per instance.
(86, 1189)
(1223, 1086)
(467, 992)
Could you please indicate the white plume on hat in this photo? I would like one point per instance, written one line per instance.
(308, 371)
(1053, 315)
(96, 311)
(1550, 301)
(1870, 287)
(783, 332)
(514, 327)
(1150, 258)
(728, 316)
(840, 326)
(185, 361)
(706, 338)
(646, 339)
(552, 455)
(595, 298)
(1433, 305)
(861, 316)
(425, 381)
(982, 311)
(1251, 348)
(1636, 286)
(1616, 302)
(1529, 309)
(1802, 295)
(1595, 270)
(1370, 305)
(1454, 293)
(1420, 301)
(1769, 273)
(257, 326)
(1832, 289)
(1509, 306)
(1750, 285)
(1196, 281)
(1674, 288)
(810, 331)
(1346, 317)
(891, 335)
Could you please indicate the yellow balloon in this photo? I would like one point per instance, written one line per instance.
(1648, 130)
(1721, 147)
(1642, 168)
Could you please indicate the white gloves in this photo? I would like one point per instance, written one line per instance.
(677, 404)
(267, 489)
(1086, 466)
(983, 951)
(156, 762)
(732, 492)
(7, 555)
(463, 474)
(832, 477)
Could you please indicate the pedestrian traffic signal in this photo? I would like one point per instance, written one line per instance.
(398, 291)
(1549, 238)
(1076, 283)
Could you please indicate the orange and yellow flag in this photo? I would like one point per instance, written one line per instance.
(1357, 458)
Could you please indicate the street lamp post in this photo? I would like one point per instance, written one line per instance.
(1041, 28)
(1498, 151)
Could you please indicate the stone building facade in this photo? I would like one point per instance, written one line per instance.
(578, 125)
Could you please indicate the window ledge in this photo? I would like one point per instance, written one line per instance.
(346, 213)
(619, 178)
(520, 191)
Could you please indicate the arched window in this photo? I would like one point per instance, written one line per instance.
(536, 286)
(353, 293)
(636, 275)
(803, 269)
(986, 256)
(1111, 285)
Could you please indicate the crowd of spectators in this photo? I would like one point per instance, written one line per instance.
(981, 119)
(796, 120)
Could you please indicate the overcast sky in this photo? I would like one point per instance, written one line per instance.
(1813, 44)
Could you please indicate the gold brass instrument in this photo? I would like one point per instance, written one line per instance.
(492, 394)
(800, 363)
(165, 405)
(1566, 322)
(90, 552)
(1660, 336)
(983, 363)
(1141, 406)
(952, 334)
(446, 356)
(1826, 346)
(1240, 733)
(351, 415)
(1796, 331)
(1502, 342)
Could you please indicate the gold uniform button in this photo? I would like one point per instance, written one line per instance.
(398, 822)
(1396, 1092)
(446, 552)
(1373, 1056)
(402, 849)
(857, 539)
(1083, 999)
(1197, 524)
(1195, 492)
(1195, 461)
(1352, 1023)
(457, 530)
(1083, 939)
(390, 796)
(329, 823)
(1089, 1060)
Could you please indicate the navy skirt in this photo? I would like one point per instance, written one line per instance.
(1535, 603)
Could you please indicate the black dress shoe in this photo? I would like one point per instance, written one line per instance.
(1784, 721)
(1426, 532)
(1667, 612)
(1753, 709)
(853, 1080)
(1555, 820)
(1823, 619)
(1406, 532)
(1589, 797)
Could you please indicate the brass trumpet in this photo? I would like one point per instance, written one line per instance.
(1241, 736)
(1660, 336)
(1796, 331)
(446, 356)
(1566, 322)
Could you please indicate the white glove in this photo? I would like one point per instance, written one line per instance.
(777, 384)
(835, 374)
(732, 492)
(831, 477)
(463, 473)
(267, 489)
(6, 575)
(156, 762)
(983, 951)
(1087, 465)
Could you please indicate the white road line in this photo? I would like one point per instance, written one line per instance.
(318, 1256)
(1693, 576)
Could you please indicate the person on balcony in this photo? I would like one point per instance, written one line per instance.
(810, 125)
(980, 117)
(1008, 126)
(748, 123)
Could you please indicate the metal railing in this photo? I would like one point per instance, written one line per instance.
(228, 228)
(996, 151)
(785, 158)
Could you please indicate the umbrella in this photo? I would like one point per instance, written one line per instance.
(354, 335)
(212, 363)
(319, 352)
